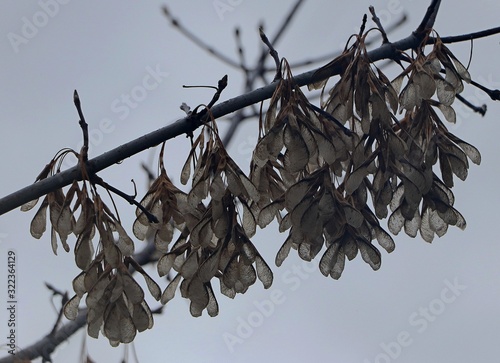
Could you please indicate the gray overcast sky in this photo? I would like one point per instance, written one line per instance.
(428, 302)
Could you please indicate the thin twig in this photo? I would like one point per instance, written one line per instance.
(494, 94)
(129, 198)
(64, 299)
(235, 121)
(287, 21)
(481, 110)
(272, 52)
(187, 33)
(221, 85)
(259, 72)
(84, 126)
(281, 30)
(149, 172)
(466, 37)
(241, 53)
(377, 21)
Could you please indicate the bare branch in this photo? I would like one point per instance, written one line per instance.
(129, 198)
(284, 25)
(272, 52)
(241, 53)
(466, 37)
(377, 21)
(494, 94)
(46, 346)
(84, 126)
(235, 121)
(481, 110)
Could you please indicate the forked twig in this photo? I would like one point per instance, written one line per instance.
(129, 198)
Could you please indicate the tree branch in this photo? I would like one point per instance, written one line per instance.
(429, 18)
(465, 37)
(182, 126)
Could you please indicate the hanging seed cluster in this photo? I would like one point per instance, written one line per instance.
(328, 175)
(115, 301)
(216, 234)
(422, 200)
(312, 203)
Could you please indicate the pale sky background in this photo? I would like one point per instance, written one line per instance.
(105, 48)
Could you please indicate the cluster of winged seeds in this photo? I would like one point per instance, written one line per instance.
(215, 238)
(327, 175)
(317, 209)
(115, 301)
